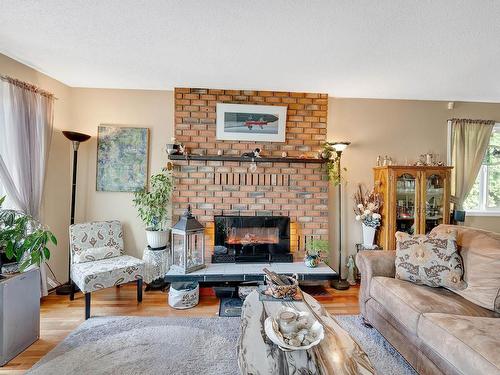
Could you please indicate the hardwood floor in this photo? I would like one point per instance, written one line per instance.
(60, 316)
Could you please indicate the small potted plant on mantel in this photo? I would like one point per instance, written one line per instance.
(314, 250)
(152, 207)
(23, 240)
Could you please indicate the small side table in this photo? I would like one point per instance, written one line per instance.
(361, 247)
(157, 264)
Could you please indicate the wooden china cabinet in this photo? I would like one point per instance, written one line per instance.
(416, 199)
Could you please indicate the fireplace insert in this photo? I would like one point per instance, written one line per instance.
(252, 239)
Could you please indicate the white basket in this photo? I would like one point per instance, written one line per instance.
(183, 298)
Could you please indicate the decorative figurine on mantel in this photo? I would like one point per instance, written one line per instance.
(174, 148)
(252, 168)
(254, 154)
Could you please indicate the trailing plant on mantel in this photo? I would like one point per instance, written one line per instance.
(332, 165)
(152, 204)
(23, 238)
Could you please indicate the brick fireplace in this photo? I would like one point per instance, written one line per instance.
(293, 188)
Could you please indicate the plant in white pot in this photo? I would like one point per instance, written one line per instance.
(366, 207)
(152, 207)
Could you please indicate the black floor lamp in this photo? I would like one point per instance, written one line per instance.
(76, 139)
(338, 147)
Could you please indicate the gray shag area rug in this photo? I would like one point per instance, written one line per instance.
(180, 346)
(385, 359)
(144, 345)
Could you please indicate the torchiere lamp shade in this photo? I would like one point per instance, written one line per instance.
(76, 137)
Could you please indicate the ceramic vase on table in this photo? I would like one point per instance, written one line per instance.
(311, 261)
(368, 235)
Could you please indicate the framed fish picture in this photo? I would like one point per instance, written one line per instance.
(122, 158)
(248, 122)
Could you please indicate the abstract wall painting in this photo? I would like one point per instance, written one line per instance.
(122, 158)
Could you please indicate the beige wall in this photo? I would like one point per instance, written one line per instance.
(92, 107)
(402, 129)
(83, 110)
(56, 202)
(399, 128)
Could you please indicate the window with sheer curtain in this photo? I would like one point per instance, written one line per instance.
(26, 122)
(484, 196)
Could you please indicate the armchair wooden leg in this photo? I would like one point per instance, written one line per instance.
(139, 290)
(87, 305)
(72, 294)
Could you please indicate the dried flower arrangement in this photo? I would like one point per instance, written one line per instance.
(367, 206)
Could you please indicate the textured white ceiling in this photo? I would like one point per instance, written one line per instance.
(426, 49)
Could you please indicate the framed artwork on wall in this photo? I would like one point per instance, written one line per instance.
(248, 122)
(122, 158)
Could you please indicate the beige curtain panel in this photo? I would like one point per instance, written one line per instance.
(469, 142)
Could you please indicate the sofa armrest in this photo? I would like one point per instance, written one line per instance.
(373, 263)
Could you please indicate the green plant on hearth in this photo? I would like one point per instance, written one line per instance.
(316, 248)
(332, 164)
(24, 239)
(152, 204)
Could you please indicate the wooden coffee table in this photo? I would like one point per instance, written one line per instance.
(337, 354)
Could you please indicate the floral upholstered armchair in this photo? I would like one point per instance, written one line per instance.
(98, 260)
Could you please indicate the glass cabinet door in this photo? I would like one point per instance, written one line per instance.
(433, 207)
(406, 203)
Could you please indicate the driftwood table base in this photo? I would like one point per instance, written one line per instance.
(337, 354)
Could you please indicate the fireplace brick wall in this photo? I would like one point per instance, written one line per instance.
(298, 190)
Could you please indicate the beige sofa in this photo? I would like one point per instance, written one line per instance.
(435, 329)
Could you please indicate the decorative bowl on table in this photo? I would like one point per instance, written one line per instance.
(294, 330)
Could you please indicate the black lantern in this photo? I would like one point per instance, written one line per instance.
(188, 244)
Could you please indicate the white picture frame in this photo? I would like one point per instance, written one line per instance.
(249, 122)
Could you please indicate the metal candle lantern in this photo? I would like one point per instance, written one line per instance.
(188, 244)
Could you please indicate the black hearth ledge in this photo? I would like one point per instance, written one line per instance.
(246, 159)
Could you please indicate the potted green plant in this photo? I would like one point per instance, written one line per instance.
(314, 250)
(23, 239)
(331, 164)
(152, 207)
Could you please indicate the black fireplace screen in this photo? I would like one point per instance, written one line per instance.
(252, 239)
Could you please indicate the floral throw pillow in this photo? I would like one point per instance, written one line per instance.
(431, 260)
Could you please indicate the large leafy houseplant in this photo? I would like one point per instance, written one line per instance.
(23, 239)
(152, 207)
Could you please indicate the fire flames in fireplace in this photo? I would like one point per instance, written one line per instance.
(253, 236)
(252, 239)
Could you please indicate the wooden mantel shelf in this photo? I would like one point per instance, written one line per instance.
(245, 159)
